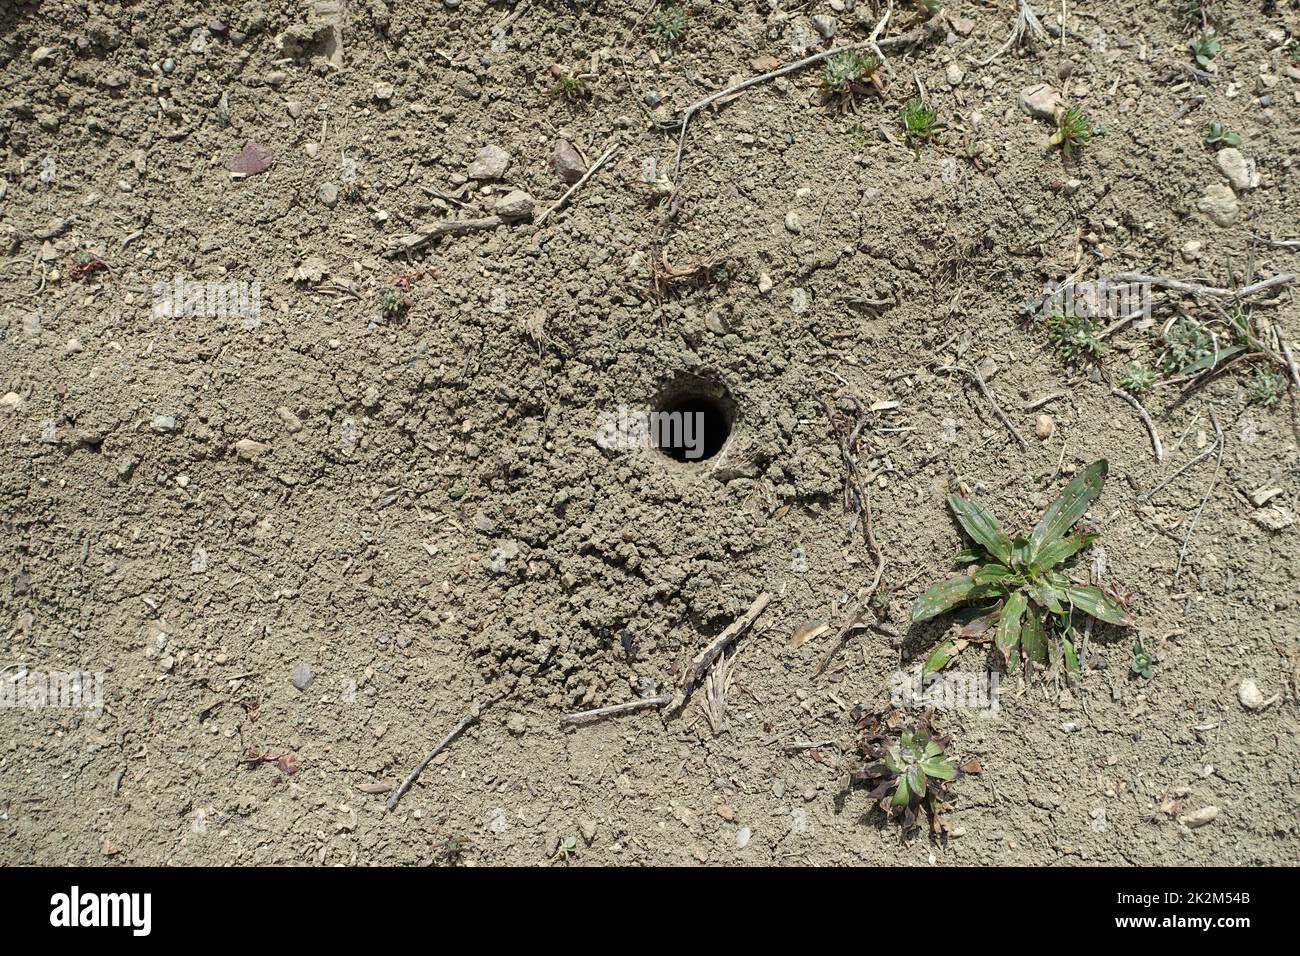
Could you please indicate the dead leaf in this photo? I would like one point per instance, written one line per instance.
(806, 633)
(253, 159)
(287, 764)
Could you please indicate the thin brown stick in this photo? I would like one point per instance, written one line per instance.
(890, 43)
(436, 230)
(1148, 495)
(614, 709)
(1122, 321)
(559, 203)
(1038, 403)
(1146, 420)
(704, 658)
(1278, 243)
(1290, 359)
(854, 623)
(857, 495)
(974, 376)
(471, 718)
(1195, 288)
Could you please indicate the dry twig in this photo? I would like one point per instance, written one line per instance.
(559, 203)
(978, 379)
(1026, 31)
(691, 676)
(471, 718)
(929, 28)
(1146, 420)
(436, 230)
(614, 709)
(1195, 288)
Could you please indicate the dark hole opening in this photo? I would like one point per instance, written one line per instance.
(690, 428)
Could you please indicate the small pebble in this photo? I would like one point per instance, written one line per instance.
(301, 676)
(1199, 818)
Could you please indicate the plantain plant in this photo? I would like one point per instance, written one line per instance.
(1019, 585)
(908, 766)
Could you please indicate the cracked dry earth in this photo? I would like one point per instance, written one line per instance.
(300, 539)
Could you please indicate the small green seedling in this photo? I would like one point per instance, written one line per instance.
(1293, 50)
(908, 767)
(1267, 387)
(567, 848)
(394, 305)
(669, 25)
(1073, 130)
(1220, 135)
(920, 123)
(1020, 584)
(1138, 379)
(848, 75)
(570, 86)
(1205, 48)
(1143, 664)
(1188, 347)
(450, 850)
(1076, 337)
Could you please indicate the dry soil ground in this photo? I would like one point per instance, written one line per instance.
(299, 541)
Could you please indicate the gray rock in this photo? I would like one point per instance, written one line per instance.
(291, 421)
(247, 449)
(163, 424)
(329, 194)
(1219, 205)
(1040, 101)
(1275, 518)
(515, 204)
(567, 162)
(301, 676)
(824, 25)
(490, 163)
(500, 557)
(1239, 170)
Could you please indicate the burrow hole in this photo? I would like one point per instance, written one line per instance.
(692, 419)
